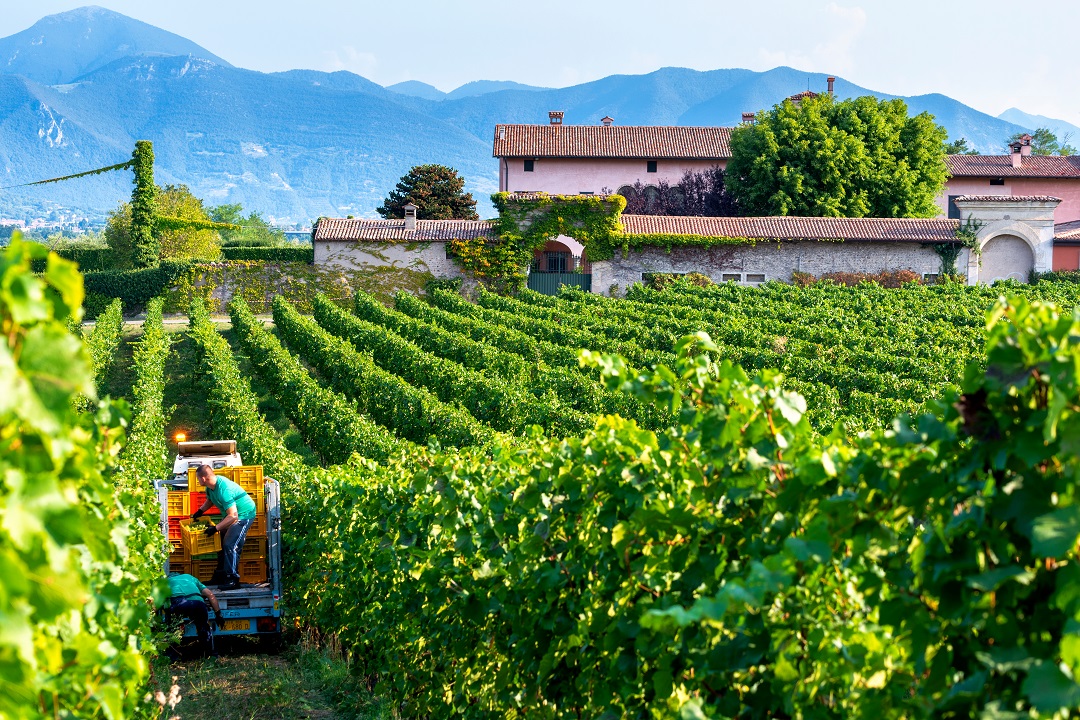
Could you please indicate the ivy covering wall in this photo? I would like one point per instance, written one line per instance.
(527, 222)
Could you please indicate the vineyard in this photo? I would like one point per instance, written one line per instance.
(721, 502)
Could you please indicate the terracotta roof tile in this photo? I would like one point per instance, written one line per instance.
(654, 142)
(1040, 166)
(796, 228)
(394, 230)
(1067, 230)
(1007, 198)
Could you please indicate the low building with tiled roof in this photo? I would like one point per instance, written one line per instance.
(408, 243)
(564, 159)
(1015, 235)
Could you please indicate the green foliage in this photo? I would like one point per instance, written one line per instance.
(89, 257)
(959, 147)
(135, 288)
(490, 399)
(437, 191)
(525, 224)
(73, 597)
(142, 244)
(861, 157)
(103, 339)
(444, 343)
(250, 231)
(291, 254)
(181, 230)
(413, 413)
(328, 421)
(1045, 142)
(736, 565)
(233, 407)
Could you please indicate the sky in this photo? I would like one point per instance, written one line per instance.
(988, 54)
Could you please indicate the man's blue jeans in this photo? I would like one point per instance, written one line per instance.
(194, 609)
(231, 547)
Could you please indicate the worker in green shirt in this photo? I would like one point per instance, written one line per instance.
(239, 512)
(186, 598)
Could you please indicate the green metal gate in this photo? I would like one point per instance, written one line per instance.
(548, 283)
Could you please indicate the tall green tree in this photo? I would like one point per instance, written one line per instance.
(437, 191)
(183, 230)
(250, 231)
(822, 157)
(1045, 142)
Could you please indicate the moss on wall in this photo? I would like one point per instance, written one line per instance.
(259, 283)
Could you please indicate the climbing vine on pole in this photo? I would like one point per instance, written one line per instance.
(144, 239)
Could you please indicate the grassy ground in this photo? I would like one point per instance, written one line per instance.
(303, 681)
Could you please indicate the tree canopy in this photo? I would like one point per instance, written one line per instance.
(822, 157)
(437, 191)
(183, 230)
(250, 231)
(1045, 142)
(959, 147)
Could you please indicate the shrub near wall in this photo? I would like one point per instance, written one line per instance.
(301, 254)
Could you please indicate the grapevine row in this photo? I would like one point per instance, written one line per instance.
(574, 389)
(739, 565)
(103, 339)
(327, 420)
(414, 413)
(490, 400)
(233, 406)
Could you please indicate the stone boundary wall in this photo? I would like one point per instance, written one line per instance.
(766, 261)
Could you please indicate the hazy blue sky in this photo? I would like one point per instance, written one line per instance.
(989, 54)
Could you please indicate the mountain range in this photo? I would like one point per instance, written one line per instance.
(78, 89)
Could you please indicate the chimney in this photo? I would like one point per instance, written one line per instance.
(831, 80)
(748, 118)
(607, 121)
(1020, 148)
(410, 217)
(555, 117)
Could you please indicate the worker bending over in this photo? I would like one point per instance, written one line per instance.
(187, 598)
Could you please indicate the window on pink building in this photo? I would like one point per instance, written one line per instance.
(650, 166)
(530, 165)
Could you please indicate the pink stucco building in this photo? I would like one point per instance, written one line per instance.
(1021, 174)
(594, 159)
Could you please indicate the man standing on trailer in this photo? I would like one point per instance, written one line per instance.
(239, 510)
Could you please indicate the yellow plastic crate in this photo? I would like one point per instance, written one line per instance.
(204, 569)
(252, 571)
(179, 504)
(195, 541)
(249, 477)
(179, 568)
(178, 553)
(254, 548)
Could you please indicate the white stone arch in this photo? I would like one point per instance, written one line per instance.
(1003, 228)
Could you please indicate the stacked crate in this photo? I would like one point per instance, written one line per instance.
(252, 565)
(178, 507)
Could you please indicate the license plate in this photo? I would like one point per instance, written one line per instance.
(237, 624)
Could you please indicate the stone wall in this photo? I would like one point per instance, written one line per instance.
(426, 257)
(766, 261)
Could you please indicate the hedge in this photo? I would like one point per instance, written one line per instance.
(90, 259)
(135, 288)
(304, 254)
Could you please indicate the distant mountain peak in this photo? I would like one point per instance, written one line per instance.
(60, 48)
